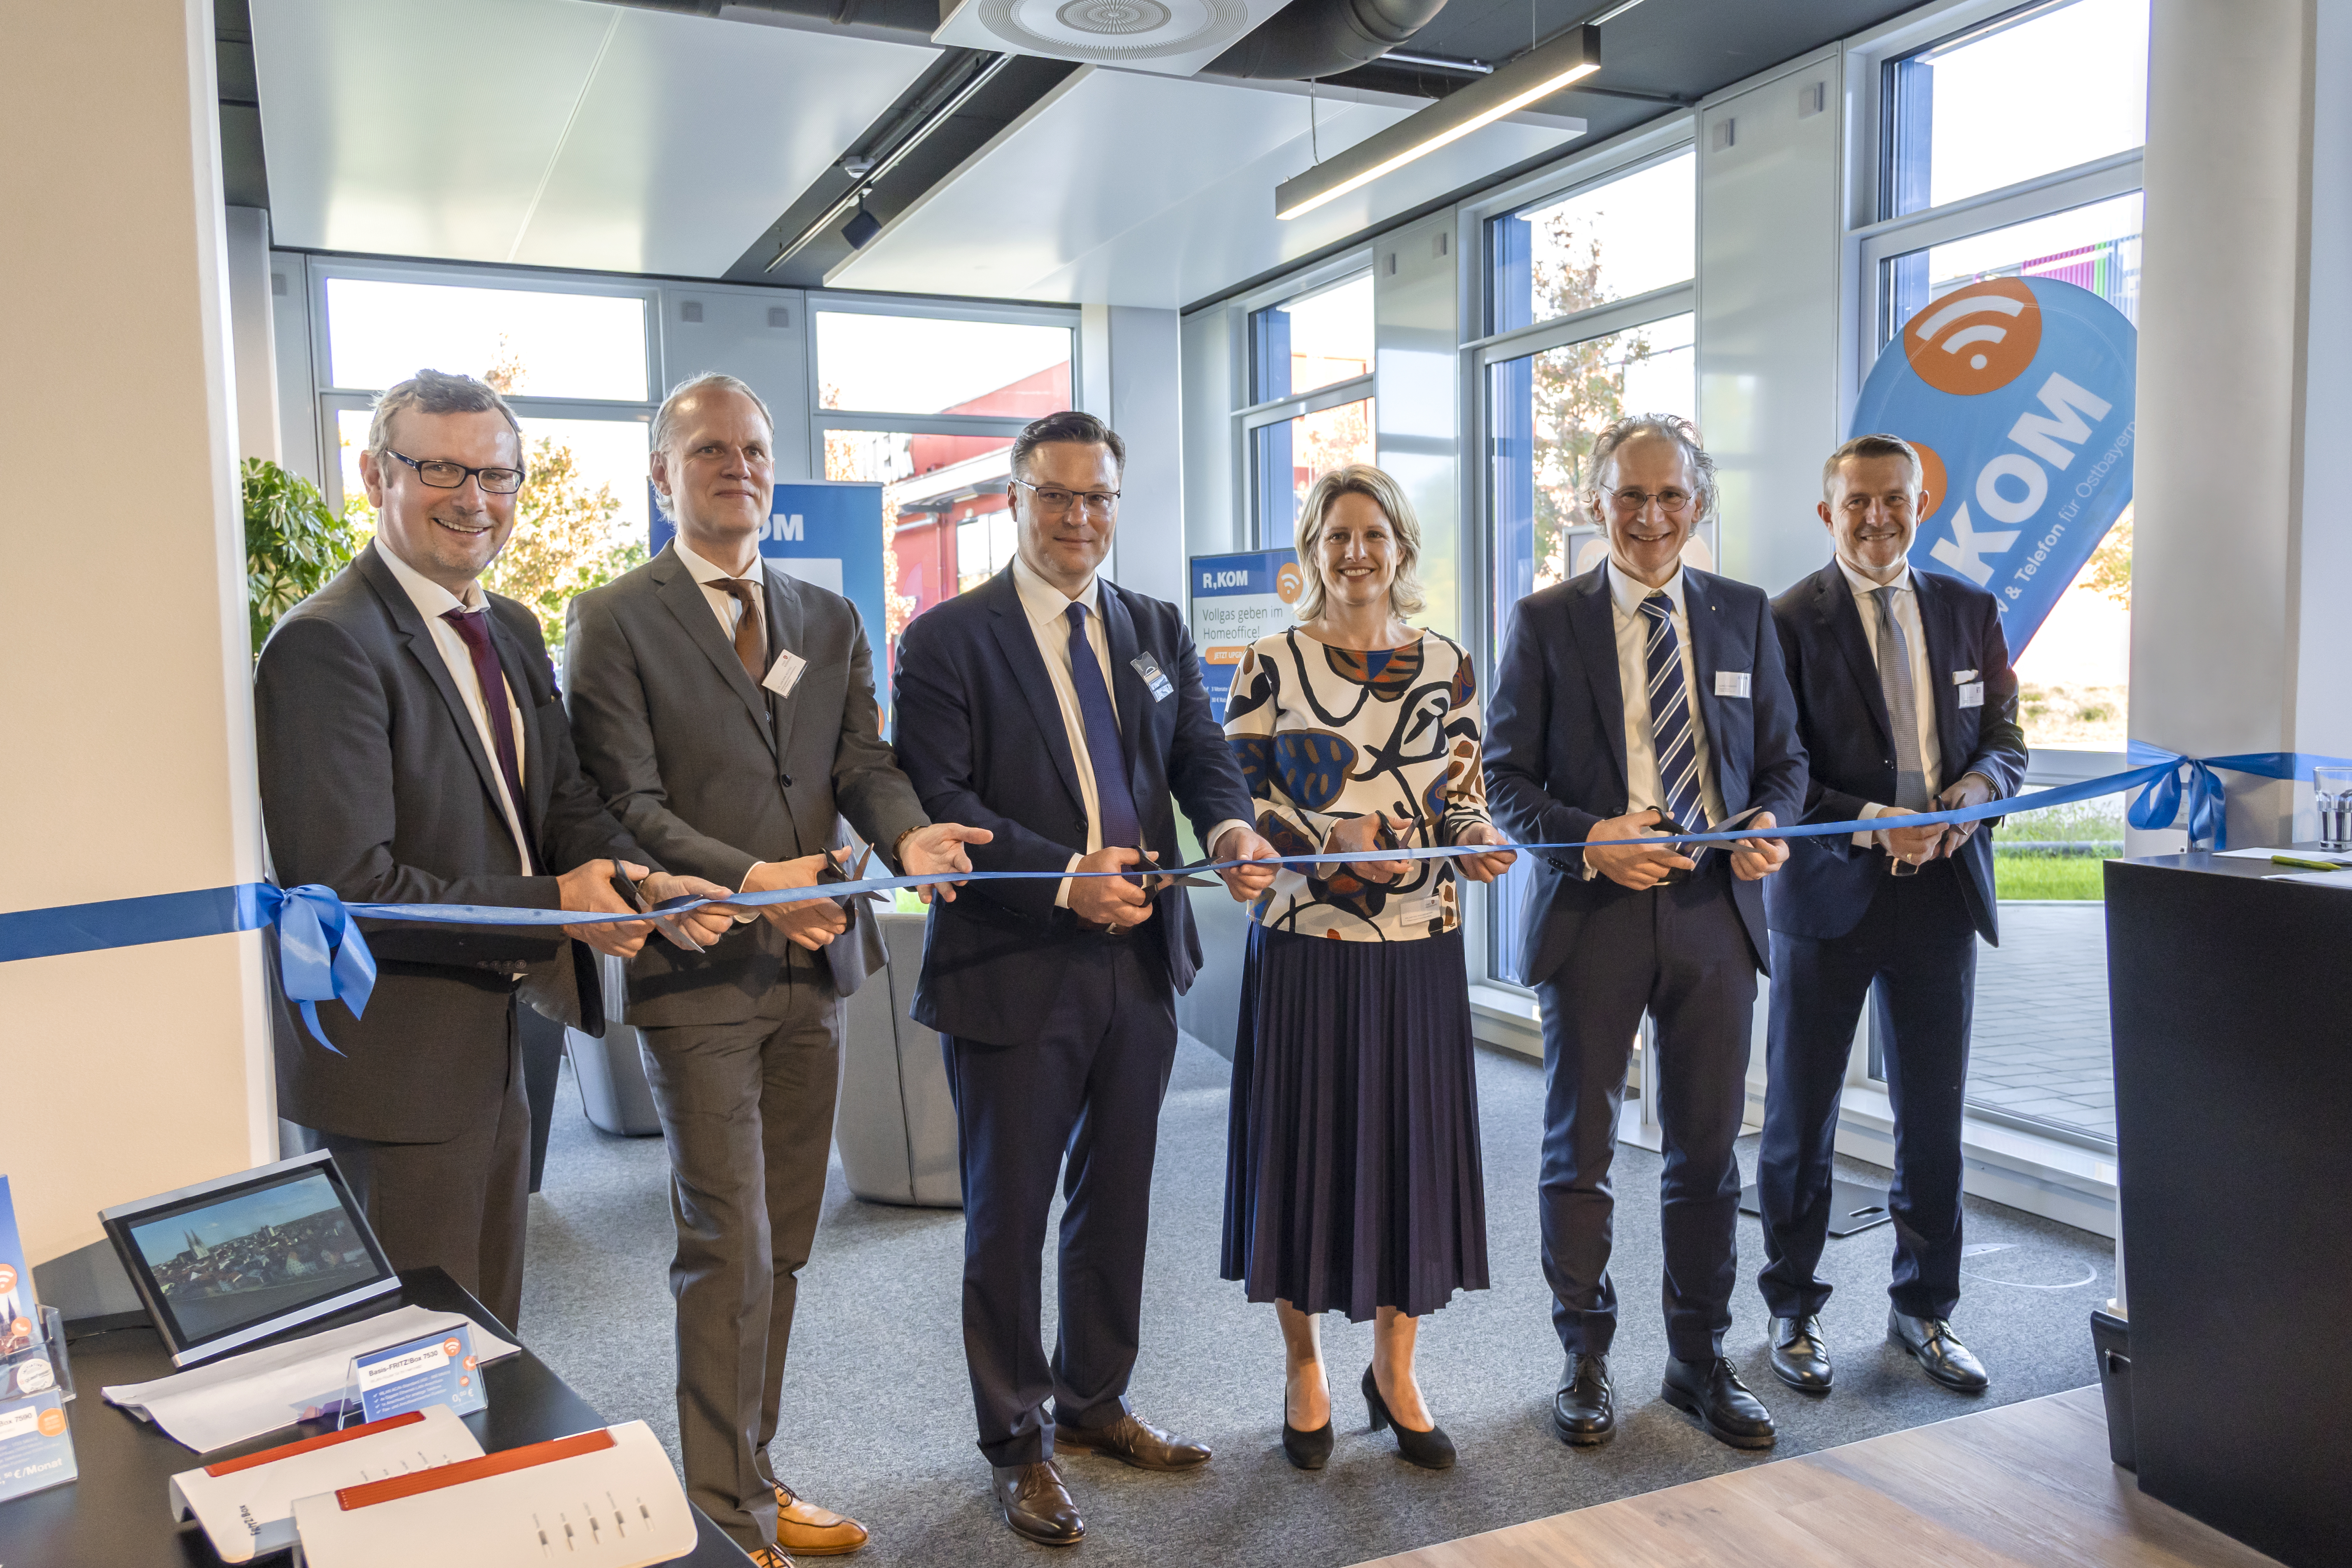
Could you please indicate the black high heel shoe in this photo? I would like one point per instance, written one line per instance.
(1305, 1450)
(1431, 1450)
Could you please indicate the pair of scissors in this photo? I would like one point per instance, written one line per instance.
(834, 870)
(672, 928)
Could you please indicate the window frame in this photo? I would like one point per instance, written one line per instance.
(1247, 417)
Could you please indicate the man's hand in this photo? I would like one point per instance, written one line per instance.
(1636, 866)
(1484, 867)
(1754, 860)
(705, 925)
(587, 889)
(1974, 789)
(929, 851)
(1361, 833)
(1910, 845)
(810, 923)
(1110, 900)
(1245, 882)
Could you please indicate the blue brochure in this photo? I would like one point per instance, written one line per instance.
(20, 1319)
(438, 1370)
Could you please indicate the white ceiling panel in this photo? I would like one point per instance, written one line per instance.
(552, 131)
(1129, 189)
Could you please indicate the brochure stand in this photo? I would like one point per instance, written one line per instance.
(37, 1449)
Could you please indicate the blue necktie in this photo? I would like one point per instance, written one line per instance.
(1114, 802)
(1669, 717)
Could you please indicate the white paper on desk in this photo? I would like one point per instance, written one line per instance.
(619, 1506)
(2339, 856)
(243, 1397)
(249, 1512)
(2342, 879)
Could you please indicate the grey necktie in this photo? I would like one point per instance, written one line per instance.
(1902, 707)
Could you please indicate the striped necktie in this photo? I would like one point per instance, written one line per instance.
(1670, 719)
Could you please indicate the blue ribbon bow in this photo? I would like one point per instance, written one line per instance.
(321, 957)
(2191, 781)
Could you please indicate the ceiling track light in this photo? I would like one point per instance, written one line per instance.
(1538, 74)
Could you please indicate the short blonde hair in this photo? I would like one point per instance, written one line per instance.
(1363, 480)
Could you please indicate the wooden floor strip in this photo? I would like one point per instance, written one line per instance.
(2026, 1486)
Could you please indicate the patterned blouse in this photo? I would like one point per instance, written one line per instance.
(1325, 733)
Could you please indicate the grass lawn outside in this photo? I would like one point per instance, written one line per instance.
(2031, 876)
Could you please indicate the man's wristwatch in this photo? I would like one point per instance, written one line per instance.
(899, 848)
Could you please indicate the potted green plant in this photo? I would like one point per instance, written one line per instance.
(293, 544)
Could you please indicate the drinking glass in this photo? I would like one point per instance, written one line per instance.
(2331, 789)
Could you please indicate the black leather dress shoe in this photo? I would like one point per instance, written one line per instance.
(1711, 1390)
(1036, 1505)
(1585, 1411)
(1936, 1348)
(1132, 1440)
(1799, 1359)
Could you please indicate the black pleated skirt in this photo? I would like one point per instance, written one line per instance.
(1352, 1177)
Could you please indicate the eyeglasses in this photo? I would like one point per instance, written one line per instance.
(450, 476)
(1673, 503)
(1053, 501)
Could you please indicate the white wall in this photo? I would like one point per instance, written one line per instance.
(253, 337)
(1769, 314)
(1142, 347)
(1417, 312)
(137, 1069)
(740, 335)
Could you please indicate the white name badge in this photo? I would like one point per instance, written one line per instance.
(1731, 682)
(785, 673)
(1149, 668)
(1972, 694)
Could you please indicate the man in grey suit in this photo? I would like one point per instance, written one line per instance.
(387, 776)
(728, 712)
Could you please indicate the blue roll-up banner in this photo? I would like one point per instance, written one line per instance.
(828, 533)
(2019, 393)
(1237, 599)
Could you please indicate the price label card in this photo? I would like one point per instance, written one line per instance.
(36, 1444)
(439, 1369)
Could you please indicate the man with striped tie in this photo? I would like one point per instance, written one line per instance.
(1643, 694)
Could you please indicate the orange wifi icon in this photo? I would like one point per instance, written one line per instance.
(1974, 339)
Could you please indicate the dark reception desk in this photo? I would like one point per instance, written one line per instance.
(2232, 1002)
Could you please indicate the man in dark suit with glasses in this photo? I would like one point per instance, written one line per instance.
(413, 749)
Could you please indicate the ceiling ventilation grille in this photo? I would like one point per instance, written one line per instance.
(1174, 36)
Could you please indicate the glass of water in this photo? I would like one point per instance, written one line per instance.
(2331, 791)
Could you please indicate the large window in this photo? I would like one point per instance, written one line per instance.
(575, 366)
(1311, 407)
(1590, 297)
(927, 405)
(2009, 149)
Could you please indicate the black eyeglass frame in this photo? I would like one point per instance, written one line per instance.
(522, 476)
(1078, 498)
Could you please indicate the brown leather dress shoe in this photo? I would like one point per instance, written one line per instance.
(1036, 1505)
(805, 1530)
(1131, 1440)
(766, 1557)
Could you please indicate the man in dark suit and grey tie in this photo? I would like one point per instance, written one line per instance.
(1907, 703)
(728, 712)
(412, 750)
(1642, 690)
(1061, 712)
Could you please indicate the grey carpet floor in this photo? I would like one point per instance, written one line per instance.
(877, 1415)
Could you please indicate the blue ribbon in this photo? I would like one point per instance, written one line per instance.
(2193, 782)
(323, 955)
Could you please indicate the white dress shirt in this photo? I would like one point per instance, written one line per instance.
(724, 604)
(1644, 789)
(433, 601)
(1048, 608)
(1923, 682)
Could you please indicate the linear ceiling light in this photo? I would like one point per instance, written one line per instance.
(1540, 72)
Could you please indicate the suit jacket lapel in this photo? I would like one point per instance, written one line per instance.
(410, 621)
(676, 589)
(1943, 657)
(1833, 595)
(1592, 619)
(1019, 641)
(1129, 693)
(1708, 655)
(784, 626)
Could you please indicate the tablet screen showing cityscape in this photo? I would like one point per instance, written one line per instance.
(225, 1262)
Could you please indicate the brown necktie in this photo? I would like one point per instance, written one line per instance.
(749, 646)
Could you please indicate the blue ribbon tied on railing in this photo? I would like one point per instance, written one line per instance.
(323, 955)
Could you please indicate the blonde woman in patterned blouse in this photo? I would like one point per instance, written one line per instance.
(1352, 1178)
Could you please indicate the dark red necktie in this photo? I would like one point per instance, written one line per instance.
(474, 627)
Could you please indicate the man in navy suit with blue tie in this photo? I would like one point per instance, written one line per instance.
(1907, 703)
(1639, 691)
(1061, 712)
